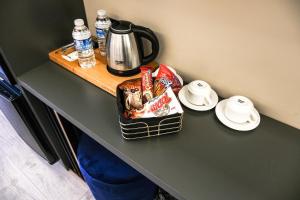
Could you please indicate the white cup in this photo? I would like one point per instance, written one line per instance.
(240, 109)
(199, 93)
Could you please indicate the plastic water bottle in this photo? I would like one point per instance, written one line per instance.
(102, 25)
(83, 44)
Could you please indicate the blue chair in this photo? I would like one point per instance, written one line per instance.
(110, 178)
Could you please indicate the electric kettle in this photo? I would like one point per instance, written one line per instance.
(124, 48)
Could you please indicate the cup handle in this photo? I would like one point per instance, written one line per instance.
(207, 101)
(253, 117)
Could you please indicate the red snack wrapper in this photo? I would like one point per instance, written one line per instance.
(164, 79)
(147, 85)
(162, 105)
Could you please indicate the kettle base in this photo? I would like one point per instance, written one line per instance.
(123, 73)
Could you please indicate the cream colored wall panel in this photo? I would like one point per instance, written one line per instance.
(240, 47)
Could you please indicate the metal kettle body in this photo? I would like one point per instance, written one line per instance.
(124, 48)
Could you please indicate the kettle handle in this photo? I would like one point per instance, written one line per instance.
(143, 32)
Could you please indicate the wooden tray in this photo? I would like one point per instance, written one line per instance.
(97, 75)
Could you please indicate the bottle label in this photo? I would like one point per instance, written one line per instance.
(82, 45)
(101, 33)
(81, 35)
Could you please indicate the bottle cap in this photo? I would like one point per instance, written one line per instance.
(101, 13)
(78, 22)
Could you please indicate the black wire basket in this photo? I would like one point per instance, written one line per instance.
(146, 127)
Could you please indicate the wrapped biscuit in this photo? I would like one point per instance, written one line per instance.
(147, 85)
(164, 79)
(162, 105)
(132, 96)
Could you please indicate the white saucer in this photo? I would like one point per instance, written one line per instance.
(184, 101)
(247, 126)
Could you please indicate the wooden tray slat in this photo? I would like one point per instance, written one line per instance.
(97, 75)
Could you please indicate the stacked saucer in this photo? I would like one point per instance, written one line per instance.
(198, 95)
(238, 113)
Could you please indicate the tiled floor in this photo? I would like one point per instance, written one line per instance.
(24, 175)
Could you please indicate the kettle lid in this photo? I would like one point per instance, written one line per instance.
(121, 27)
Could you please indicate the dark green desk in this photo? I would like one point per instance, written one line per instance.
(206, 161)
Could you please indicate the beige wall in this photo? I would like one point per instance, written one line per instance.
(250, 48)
